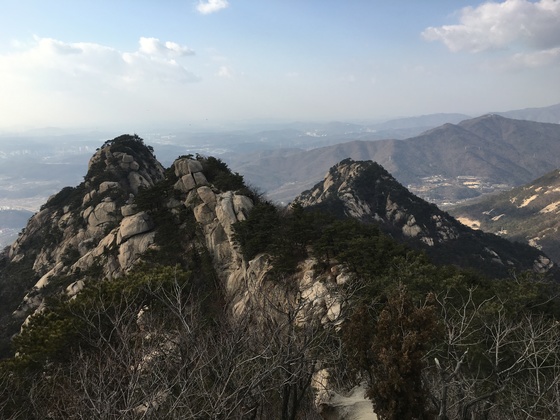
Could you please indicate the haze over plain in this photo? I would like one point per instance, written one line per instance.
(134, 65)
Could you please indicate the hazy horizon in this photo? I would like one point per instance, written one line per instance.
(132, 65)
(214, 127)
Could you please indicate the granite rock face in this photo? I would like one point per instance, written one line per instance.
(94, 224)
(382, 200)
(106, 226)
(98, 226)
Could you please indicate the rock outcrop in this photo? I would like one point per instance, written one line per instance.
(216, 212)
(99, 230)
(99, 227)
(94, 225)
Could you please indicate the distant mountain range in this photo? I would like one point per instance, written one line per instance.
(444, 164)
(547, 114)
(530, 214)
(436, 156)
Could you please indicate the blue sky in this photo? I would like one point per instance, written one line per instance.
(135, 63)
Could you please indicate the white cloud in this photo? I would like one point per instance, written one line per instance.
(57, 65)
(53, 81)
(153, 46)
(521, 24)
(225, 72)
(534, 59)
(211, 6)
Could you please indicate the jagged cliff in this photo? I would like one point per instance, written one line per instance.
(104, 227)
(94, 226)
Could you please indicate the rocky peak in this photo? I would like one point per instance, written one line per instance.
(215, 211)
(95, 226)
(127, 207)
(364, 190)
(125, 161)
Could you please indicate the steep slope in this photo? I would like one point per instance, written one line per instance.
(529, 214)
(130, 211)
(447, 163)
(103, 228)
(367, 192)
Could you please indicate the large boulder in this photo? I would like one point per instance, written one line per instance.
(131, 250)
(137, 181)
(104, 213)
(203, 214)
(108, 185)
(134, 225)
(207, 196)
(186, 166)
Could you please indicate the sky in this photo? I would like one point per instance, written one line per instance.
(99, 64)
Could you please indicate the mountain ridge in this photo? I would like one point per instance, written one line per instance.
(106, 225)
(547, 114)
(500, 152)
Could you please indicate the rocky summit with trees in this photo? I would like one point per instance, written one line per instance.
(181, 293)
